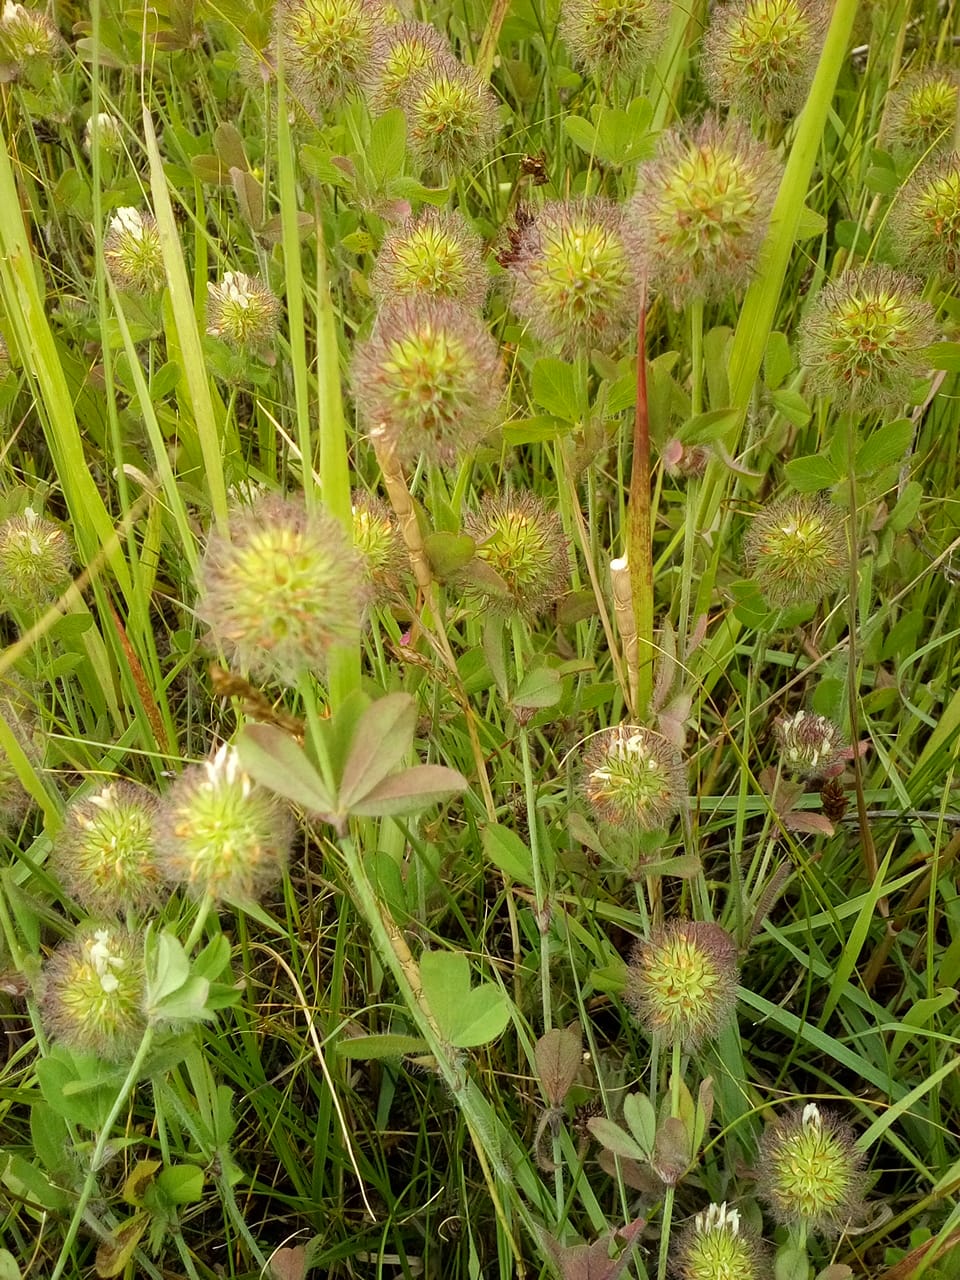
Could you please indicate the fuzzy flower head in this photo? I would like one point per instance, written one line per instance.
(435, 254)
(522, 542)
(93, 993)
(242, 311)
(429, 380)
(401, 53)
(923, 112)
(759, 56)
(863, 341)
(109, 130)
(576, 276)
(796, 551)
(281, 589)
(682, 982)
(221, 834)
(809, 1170)
(613, 37)
(717, 1246)
(451, 117)
(35, 557)
(810, 745)
(633, 778)
(379, 543)
(326, 45)
(701, 210)
(926, 218)
(132, 252)
(30, 43)
(104, 854)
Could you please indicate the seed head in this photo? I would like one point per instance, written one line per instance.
(30, 42)
(923, 112)
(35, 557)
(242, 311)
(863, 339)
(576, 275)
(633, 778)
(716, 1246)
(759, 56)
(523, 542)
(220, 833)
(93, 992)
(809, 1170)
(796, 550)
(326, 46)
(701, 210)
(109, 133)
(926, 217)
(810, 745)
(435, 254)
(377, 538)
(401, 53)
(281, 589)
(451, 116)
(104, 854)
(429, 380)
(682, 982)
(613, 37)
(132, 252)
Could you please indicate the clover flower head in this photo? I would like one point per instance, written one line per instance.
(281, 587)
(35, 556)
(717, 1246)
(242, 311)
(576, 275)
(633, 778)
(682, 982)
(93, 992)
(796, 550)
(613, 37)
(809, 1170)
(451, 116)
(759, 56)
(401, 53)
(104, 854)
(864, 340)
(701, 210)
(222, 835)
(923, 112)
(810, 745)
(434, 254)
(429, 380)
(522, 541)
(132, 251)
(326, 46)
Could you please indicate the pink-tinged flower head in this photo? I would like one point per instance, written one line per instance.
(701, 210)
(326, 45)
(242, 311)
(401, 53)
(682, 982)
(35, 556)
(429, 380)
(923, 112)
(926, 218)
(451, 114)
(864, 339)
(810, 745)
(435, 254)
(281, 589)
(104, 854)
(614, 37)
(576, 275)
(759, 56)
(522, 542)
